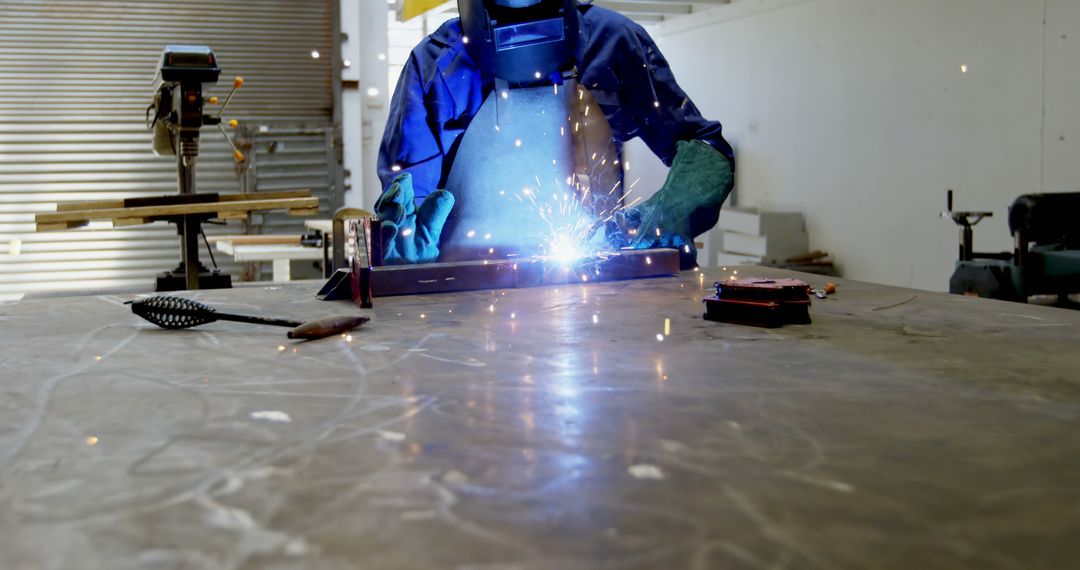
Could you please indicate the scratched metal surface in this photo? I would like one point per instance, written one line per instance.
(543, 428)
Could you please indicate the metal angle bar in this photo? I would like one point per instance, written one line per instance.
(390, 281)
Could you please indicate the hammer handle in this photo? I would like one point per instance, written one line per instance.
(328, 326)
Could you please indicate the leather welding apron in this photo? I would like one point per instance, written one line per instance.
(524, 157)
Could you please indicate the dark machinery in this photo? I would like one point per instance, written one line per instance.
(1046, 255)
(176, 118)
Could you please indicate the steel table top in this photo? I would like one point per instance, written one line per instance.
(604, 425)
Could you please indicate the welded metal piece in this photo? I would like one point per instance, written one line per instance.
(516, 273)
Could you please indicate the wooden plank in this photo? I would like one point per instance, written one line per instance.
(225, 247)
(152, 212)
(242, 253)
(304, 211)
(114, 204)
(325, 226)
(232, 215)
(90, 205)
(123, 222)
(257, 240)
(60, 226)
(280, 194)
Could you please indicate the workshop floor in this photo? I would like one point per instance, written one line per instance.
(590, 426)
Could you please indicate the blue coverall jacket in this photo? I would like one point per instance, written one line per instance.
(441, 89)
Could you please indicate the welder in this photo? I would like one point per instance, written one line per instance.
(500, 47)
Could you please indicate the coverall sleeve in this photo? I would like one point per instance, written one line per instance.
(409, 142)
(664, 113)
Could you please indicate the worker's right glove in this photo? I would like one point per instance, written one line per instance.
(411, 234)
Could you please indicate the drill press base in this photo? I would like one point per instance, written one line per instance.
(176, 280)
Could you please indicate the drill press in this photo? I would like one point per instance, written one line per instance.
(176, 117)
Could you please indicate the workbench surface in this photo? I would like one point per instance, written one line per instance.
(556, 427)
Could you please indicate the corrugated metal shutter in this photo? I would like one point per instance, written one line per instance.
(290, 157)
(75, 81)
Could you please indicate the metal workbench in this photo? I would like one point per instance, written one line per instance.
(589, 426)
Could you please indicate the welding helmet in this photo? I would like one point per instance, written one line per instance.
(521, 41)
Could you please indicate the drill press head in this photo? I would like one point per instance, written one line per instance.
(176, 114)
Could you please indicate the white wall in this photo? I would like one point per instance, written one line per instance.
(1061, 160)
(856, 113)
(352, 110)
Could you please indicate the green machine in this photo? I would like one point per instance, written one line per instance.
(1046, 255)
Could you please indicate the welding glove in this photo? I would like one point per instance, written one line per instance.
(411, 234)
(688, 204)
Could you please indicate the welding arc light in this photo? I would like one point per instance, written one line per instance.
(564, 250)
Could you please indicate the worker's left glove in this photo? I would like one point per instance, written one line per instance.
(411, 234)
(688, 204)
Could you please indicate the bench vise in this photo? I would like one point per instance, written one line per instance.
(1046, 254)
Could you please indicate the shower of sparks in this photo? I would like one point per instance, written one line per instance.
(568, 220)
(572, 213)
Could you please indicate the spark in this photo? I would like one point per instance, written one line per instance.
(660, 338)
(91, 440)
(406, 232)
(348, 338)
(470, 233)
